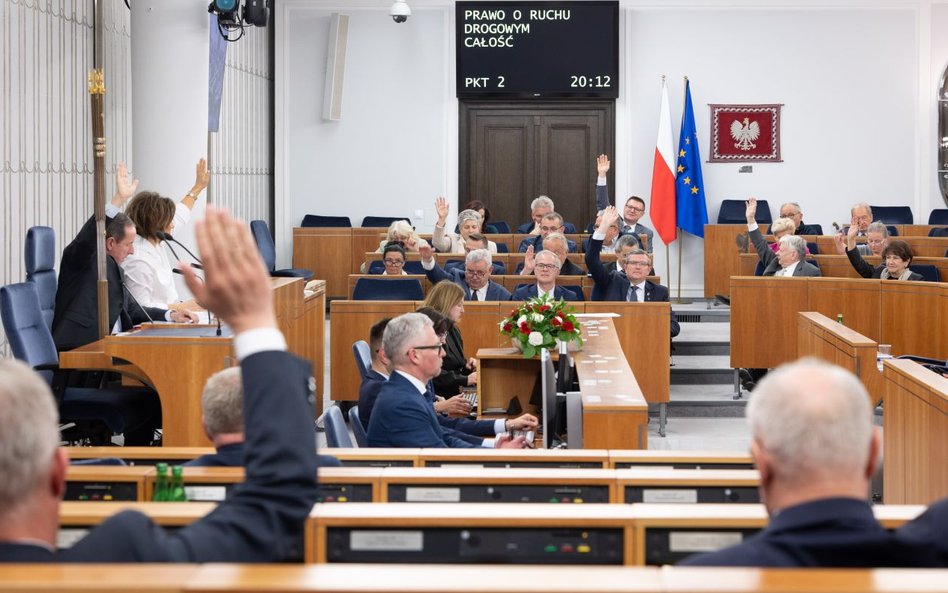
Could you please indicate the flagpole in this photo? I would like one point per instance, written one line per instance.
(681, 235)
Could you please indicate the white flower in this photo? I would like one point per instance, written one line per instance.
(535, 338)
(537, 317)
(502, 324)
(523, 319)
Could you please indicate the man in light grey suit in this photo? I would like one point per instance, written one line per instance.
(789, 258)
(632, 212)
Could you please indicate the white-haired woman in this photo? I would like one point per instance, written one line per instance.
(469, 222)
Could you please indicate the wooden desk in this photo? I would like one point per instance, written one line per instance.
(509, 458)
(721, 256)
(615, 413)
(333, 253)
(762, 310)
(110, 578)
(687, 486)
(915, 433)
(827, 339)
(838, 266)
(106, 483)
(623, 459)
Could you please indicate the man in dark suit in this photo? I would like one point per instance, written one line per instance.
(789, 259)
(632, 284)
(546, 267)
(75, 320)
(551, 223)
(632, 212)
(539, 208)
(792, 211)
(403, 415)
(262, 519)
(222, 416)
(816, 449)
(474, 279)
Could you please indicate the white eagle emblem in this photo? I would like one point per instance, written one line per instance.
(745, 134)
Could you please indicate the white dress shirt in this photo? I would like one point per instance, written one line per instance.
(148, 272)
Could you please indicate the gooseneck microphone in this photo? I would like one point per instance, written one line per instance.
(167, 238)
(209, 312)
(139, 305)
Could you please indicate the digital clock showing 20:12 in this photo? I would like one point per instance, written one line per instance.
(530, 49)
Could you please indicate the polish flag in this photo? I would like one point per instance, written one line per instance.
(663, 177)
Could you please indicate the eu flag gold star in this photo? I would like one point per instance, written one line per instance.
(681, 168)
(694, 190)
(681, 153)
(687, 180)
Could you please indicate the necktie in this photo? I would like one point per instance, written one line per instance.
(633, 296)
(474, 296)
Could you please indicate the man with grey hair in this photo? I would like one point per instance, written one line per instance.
(552, 223)
(546, 266)
(792, 211)
(539, 207)
(816, 449)
(861, 215)
(474, 278)
(222, 416)
(262, 519)
(559, 245)
(403, 416)
(789, 259)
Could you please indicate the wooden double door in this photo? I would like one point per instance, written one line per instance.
(512, 152)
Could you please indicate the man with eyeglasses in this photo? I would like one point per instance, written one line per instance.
(403, 416)
(632, 212)
(792, 211)
(551, 223)
(633, 285)
(790, 259)
(547, 269)
(393, 256)
(558, 244)
(474, 278)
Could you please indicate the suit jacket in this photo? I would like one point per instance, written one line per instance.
(527, 228)
(537, 243)
(75, 320)
(602, 201)
(769, 259)
(833, 532)
(233, 456)
(613, 285)
(495, 292)
(530, 291)
(262, 519)
(867, 271)
(404, 417)
(368, 393)
(453, 366)
(808, 229)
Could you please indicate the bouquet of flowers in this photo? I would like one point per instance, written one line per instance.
(539, 323)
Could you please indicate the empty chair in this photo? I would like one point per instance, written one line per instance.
(942, 232)
(928, 271)
(363, 356)
(261, 236)
(382, 221)
(383, 289)
(100, 413)
(893, 231)
(40, 256)
(358, 431)
(893, 214)
(504, 228)
(569, 228)
(732, 212)
(336, 433)
(813, 247)
(502, 248)
(311, 220)
(937, 216)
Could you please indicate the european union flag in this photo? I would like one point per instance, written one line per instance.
(692, 210)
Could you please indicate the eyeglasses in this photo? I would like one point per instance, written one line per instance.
(438, 346)
(638, 264)
(788, 214)
(545, 266)
(876, 241)
(635, 208)
(475, 273)
(394, 262)
(550, 229)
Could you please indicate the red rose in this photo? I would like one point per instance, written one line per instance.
(513, 313)
(556, 322)
(568, 326)
(508, 326)
(524, 328)
(545, 308)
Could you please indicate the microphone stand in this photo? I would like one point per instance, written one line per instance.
(168, 239)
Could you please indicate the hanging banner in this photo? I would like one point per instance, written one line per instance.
(745, 133)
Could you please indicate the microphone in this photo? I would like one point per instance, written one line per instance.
(129, 293)
(167, 238)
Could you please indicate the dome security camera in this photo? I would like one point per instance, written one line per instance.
(400, 11)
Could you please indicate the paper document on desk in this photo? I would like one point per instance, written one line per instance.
(594, 315)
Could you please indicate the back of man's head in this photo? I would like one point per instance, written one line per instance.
(401, 334)
(222, 403)
(29, 435)
(813, 422)
(375, 337)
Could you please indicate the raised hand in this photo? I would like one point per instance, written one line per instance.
(751, 211)
(441, 205)
(236, 284)
(602, 165)
(425, 251)
(609, 217)
(840, 240)
(529, 260)
(201, 177)
(125, 185)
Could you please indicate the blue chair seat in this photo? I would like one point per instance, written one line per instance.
(382, 221)
(501, 226)
(316, 220)
(732, 212)
(893, 214)
(261, 236)
(358, 431)
(938, 216)
(928, 271)
(336, 433)
(385, 289)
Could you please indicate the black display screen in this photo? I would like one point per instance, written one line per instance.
(537, 49)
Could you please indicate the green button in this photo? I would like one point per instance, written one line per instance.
(554, 500)
(550, 548)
